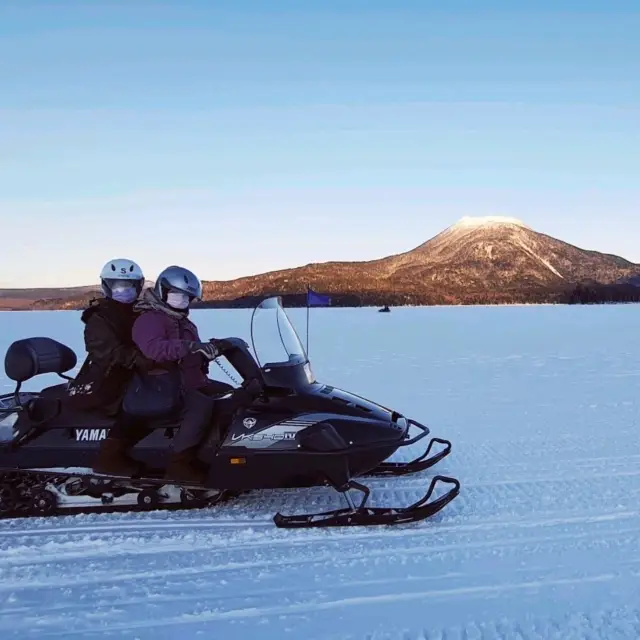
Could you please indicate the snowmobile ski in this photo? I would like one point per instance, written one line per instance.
(362, 515)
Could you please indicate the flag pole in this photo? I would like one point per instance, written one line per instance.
(308, 289)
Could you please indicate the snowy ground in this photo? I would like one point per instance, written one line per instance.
(543, 542)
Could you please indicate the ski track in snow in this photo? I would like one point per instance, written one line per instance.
(524, 537)
(542, 543)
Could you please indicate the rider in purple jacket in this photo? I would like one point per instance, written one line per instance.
(170, 336)
(164, 333)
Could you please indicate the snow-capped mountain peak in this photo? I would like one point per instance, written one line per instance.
(487, 221)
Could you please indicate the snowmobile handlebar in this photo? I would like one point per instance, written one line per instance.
(236, 351)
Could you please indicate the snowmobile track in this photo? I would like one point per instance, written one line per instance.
(29, 494)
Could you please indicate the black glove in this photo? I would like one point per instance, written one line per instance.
(225, 344)
(208, 350)
(143, 364)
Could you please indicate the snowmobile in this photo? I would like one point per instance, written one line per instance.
(297, 432)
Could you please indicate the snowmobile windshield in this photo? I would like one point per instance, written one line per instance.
(275, 341)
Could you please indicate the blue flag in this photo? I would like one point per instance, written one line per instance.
(317, 299)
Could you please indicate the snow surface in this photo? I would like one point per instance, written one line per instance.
(543, 541)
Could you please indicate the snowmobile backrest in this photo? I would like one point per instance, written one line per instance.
(30, 357)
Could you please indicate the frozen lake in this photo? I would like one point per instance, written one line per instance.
(541, 404)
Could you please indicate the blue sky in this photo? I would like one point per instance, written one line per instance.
(239, 137)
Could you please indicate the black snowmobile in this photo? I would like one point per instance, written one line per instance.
(296, 433)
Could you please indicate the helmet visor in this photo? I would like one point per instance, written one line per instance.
(193, 292)
(117, 284)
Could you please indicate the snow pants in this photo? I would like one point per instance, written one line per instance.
(197, 415)
(195, 418)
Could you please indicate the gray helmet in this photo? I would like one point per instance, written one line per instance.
(176, 278)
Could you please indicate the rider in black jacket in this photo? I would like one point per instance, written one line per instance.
(112, 358)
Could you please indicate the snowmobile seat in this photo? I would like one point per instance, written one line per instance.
(49, 410)
(25, 359)
(58, 391)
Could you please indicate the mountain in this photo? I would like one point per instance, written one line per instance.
(490, 259)
(477, 260)
(50, 297)
(24, 298)
(37, 293)
(493, 252)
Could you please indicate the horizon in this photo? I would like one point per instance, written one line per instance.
(473, 221)
(246, 138)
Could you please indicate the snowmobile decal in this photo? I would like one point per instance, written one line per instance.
(91, 435)
(278, 432)
(287, 435)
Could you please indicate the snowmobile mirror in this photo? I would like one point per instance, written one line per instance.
(30, 357)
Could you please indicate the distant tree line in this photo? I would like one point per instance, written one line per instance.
(583, 293)
(595, 293)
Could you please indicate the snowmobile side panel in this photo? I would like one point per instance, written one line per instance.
(270, 470)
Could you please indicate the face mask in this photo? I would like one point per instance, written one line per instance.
(125, 295)
(177, 300)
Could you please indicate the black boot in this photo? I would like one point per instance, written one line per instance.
(113, 459)
(185, 467)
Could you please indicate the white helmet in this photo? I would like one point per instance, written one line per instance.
(121, 271)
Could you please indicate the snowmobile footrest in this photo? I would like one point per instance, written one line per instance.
(414, 466)
(366, 516)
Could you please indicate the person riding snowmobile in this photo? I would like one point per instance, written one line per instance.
(112, 358)
(164, 333)
(111, 353)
